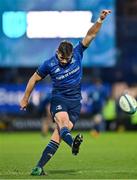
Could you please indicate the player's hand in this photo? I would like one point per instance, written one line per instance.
(104, 14)
(23, 104)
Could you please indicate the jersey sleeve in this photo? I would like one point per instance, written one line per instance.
(43, 70)
(79, 49)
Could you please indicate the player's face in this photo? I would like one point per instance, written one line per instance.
(64, 60)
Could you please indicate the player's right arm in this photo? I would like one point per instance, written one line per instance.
(30, 86)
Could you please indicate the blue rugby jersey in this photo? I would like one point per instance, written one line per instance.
(65, 79)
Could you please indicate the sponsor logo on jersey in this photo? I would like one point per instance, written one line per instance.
(68, 74)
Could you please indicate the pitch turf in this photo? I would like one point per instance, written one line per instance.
(110, 156)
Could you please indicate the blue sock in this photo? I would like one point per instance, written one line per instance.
(48, 152)
(66, 136)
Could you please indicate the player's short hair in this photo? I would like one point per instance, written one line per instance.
(65, 48)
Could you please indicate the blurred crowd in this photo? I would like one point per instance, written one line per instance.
(100, 107)
(101, 86)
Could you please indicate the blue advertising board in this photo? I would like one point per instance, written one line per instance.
(18, 50)
(11, 94)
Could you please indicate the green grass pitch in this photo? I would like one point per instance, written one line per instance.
(110, 156)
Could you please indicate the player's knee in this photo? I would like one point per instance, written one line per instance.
(62, 122)
(62, 119)
(70, 125)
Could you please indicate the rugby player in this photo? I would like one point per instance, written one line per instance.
(65, 70)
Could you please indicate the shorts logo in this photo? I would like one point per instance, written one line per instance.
(59, 107)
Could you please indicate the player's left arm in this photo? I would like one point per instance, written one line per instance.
(92, 32)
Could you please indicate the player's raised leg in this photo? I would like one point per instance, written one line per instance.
(65, 125)
(76, 144)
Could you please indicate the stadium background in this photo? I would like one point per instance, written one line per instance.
(110, 65)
